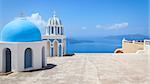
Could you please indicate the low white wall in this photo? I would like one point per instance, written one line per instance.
(132, 47)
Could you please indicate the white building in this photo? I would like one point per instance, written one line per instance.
(55, 37)
(21, 47)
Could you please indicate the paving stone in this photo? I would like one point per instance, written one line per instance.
(88, 69)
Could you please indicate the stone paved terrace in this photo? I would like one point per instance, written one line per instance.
(88, 69)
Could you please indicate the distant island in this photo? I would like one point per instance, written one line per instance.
(74, 40)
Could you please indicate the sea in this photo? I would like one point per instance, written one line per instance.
(98, 45)
(94, 46)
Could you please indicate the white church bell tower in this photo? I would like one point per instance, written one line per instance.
(55, 35)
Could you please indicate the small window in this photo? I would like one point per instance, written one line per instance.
(52, 30)
(58, 30)
(61, 31)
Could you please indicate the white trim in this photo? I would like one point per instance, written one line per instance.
(61, 50)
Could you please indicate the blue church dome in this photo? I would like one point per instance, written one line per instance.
(20, 30)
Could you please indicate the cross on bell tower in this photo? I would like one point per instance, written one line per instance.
(54, 13)
(22, 14)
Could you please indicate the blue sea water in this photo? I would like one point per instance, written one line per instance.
(94, 46)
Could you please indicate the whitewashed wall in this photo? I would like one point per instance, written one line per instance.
(17, 54)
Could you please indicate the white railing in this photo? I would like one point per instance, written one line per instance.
(147, 42)
(133, 41)
(147, 46)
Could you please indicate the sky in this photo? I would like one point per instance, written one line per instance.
(83, 18)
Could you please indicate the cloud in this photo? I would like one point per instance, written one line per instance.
(119, 26)
(98, 26)
(113, 26)
(36, 18)
(84, 28)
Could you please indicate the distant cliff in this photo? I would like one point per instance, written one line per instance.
(128, 37)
